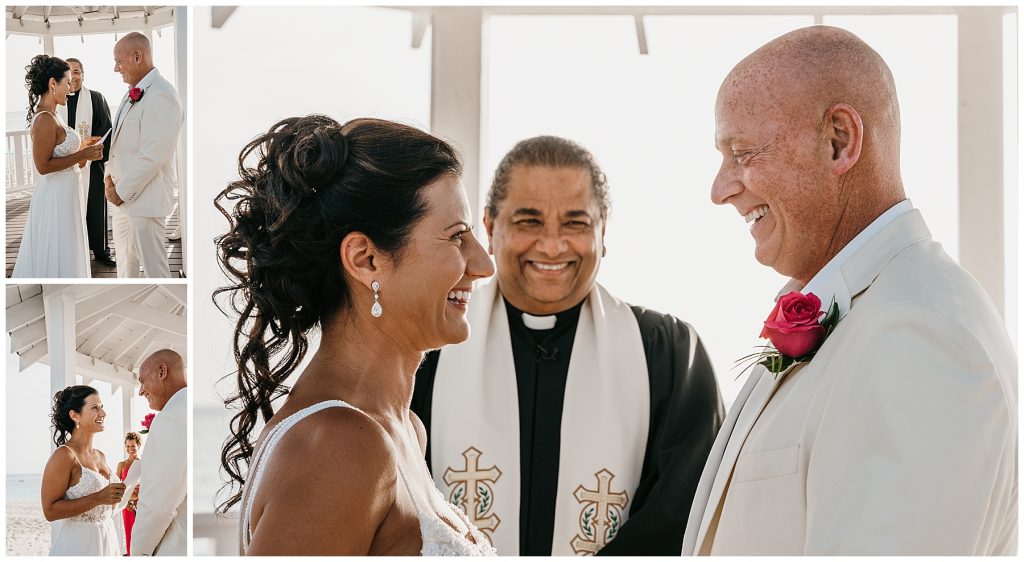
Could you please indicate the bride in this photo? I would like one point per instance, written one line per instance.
(79, 490)
(54, 241)
(361, 232)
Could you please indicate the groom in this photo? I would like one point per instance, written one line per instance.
(899, 436)
(162, 513)
(141, 178)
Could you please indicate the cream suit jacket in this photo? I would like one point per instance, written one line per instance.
(142, 151)
(162, 517)
(899, 437)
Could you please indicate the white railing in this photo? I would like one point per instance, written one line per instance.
(21, 174)
(215, 535)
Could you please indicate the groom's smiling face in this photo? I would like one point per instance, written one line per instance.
(775, 170)
(151, 383)
(127, 63)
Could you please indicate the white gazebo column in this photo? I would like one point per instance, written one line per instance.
(48, 44)
(126, 408)
(980, 126)
(60, 339)
(456, 88)
(181, 79)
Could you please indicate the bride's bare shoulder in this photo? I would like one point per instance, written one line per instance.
(328, 467)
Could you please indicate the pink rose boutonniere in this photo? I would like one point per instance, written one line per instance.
(146, 422)
(134, 95)
(796, 328)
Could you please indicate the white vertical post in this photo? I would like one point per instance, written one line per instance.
(48, 44)
(181, 79)
(127, 391)
(457, 88)
(60, 339)
(980, 129)
(59, 312)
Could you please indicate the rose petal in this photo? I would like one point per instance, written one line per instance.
(795, 343)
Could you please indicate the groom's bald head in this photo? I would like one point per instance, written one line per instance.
(133, 57)
(161, 375)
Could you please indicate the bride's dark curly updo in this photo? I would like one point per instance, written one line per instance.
(37, 78)
(71, 399)
(314, 182)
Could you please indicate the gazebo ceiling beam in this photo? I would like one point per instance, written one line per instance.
(129, 343)
(177, 292)
(95, 309)
(27, 336)
(220, 15)
(88, 26)
(101, 370)
(25, 312)
(151, 317)
(35, 353)
(100, 334)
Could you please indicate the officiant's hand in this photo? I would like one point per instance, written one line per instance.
(111, 494)
(109, 192)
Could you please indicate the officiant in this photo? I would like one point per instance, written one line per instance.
(570, 422)
(88, 113)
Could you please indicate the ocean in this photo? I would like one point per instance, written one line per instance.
(16, 120)
(211, 428)
(24, 487)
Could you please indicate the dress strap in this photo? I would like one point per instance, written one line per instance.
(271, 440)
(50, 113)
(73, 454)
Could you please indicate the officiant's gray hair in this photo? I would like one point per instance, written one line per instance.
(553, 152)
(81, 66)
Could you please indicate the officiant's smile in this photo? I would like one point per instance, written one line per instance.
(76, 76)
(547, 235)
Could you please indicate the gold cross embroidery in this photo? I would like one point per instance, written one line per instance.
(603, 500)
(473, 476)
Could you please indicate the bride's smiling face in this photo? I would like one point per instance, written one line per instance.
(61, 88)
(92, 416)
(429, 285)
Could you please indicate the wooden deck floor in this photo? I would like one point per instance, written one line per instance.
(17, 214)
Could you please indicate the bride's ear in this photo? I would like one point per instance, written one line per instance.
(361, 258)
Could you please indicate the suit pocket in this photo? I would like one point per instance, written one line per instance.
(764, 465)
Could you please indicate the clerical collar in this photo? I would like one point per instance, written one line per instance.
(543, 323)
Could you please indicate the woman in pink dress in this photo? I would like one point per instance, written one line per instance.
(132, 442)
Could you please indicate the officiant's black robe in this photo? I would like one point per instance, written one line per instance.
(96, 203)
(686, 412)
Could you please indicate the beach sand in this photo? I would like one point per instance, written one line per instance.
(28, 533)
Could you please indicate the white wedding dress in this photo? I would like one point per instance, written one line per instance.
(439, 538)
(54, 241)
(92, 533)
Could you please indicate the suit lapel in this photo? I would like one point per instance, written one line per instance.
(119, 118)
(751, 410)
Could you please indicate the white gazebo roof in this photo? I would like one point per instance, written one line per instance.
(76, 20)
(115, 326)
